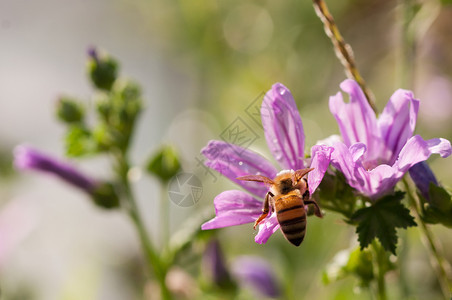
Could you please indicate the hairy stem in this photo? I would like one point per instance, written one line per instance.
(440, 265)
(154, 264)
(379, 258)
(343, 50)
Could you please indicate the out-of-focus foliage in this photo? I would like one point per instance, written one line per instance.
(164, 164)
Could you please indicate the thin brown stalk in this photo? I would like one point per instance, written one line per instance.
(343, 50)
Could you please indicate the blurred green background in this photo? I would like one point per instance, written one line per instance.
(202, 65)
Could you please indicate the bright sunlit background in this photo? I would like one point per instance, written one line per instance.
(202, 65)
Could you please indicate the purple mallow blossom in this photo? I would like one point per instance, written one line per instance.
(26, 158)
(377, 152)
(284, 133)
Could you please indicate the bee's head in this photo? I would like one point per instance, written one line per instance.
(285, 185)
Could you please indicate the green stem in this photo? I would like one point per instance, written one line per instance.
(402, 262)
(154, 264)
(335, 208)
(343, 51)
(440, 265)
(379, 270)
(164, 215)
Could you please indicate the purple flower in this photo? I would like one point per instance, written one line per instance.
(26, 158)
(256, 273)
(285, 138)
(377, 152)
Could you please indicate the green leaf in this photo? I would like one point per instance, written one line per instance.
(446, 2)
(381, 220)
(439, 208)
(439, 197)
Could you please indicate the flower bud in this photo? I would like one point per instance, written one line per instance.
(164, 164)
(69, 110)
(104, 106)
(422, 175)
(127, 101)
(214, 266)
(26, 158)
(257, 274)
(102, 69)
(104, 195)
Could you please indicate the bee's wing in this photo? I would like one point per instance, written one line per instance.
(258, 178)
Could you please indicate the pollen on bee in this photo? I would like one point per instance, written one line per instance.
(291, 171)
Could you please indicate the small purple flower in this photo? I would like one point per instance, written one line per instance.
(285, 138)
(26, 158)
(256, 273)
(376, 153)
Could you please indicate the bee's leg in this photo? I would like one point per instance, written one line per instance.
(317, 211)
(264, 210)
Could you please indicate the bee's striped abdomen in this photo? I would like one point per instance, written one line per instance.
(291, 217)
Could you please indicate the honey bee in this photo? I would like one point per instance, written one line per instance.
(288, 194)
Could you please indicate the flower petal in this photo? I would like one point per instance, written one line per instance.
(383, 178)
(342, 159)
(356, 119)
(397, 123)
(266, 229)
(283, 127)
(417, 150)
(357, 151)
(234, 208)
(373, 183)
(234, 161)
(380, 181)
(321, 157)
